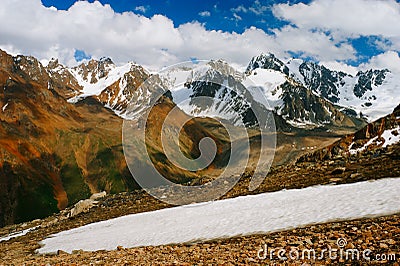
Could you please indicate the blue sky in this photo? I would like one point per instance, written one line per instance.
(182, 11)
(339, 33)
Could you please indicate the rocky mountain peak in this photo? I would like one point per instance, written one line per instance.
(369, 79)
(106, 60)
(360, 94)
(267, 61)
(93, 70)
(6, 60)
(61, 79)
(53, 63)
(31, 67)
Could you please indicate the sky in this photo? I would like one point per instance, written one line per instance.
(341, 34)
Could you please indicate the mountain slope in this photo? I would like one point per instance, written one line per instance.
(298, 105)
(370, 139)
(54, 153)
(371, 93)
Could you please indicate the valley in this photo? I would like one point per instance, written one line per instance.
(64, 138)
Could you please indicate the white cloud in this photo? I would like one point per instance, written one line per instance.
(339, 66)
(153, 42)
(237, 17)
(389, 60)
(205, 14)
(345, 18)
(238, 9)
(257, 8)
(316, 45)
(142, 9)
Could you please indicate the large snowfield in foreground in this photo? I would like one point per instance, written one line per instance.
(245, 215)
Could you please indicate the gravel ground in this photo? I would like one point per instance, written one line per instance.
(381, 235)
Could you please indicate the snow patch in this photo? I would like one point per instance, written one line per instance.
(264, 83)
(389, 136)
(17, 234)
(253, 214)
(4, 107)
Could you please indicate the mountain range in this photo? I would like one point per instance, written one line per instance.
(61, 126)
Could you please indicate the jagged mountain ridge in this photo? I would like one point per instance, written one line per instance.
(298, 105)
(349, 96)
(228, 89)
(371, 93)
(114, 87)
(54, 153)
(47, 113)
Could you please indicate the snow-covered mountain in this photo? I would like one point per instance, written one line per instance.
(258, 92)
(299, 93)
(214, 89)
(297, 104)
(371, 93)
(112, 85)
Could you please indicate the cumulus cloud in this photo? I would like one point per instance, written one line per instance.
(205, 14)
(30, 28)
(340, 66)
(345, 18)
(389, 60)
(315, 45)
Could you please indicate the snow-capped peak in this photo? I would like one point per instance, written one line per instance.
(371, 93)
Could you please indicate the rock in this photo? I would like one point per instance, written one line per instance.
(77, 251)
(383, 245)
(82, 206)
(97, 196)
(391, 242)
(308, 241)
(61, 252)
(355, 176)
(338, 171)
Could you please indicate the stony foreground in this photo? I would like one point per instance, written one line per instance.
(380, 235)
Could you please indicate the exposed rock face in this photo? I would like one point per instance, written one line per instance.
(267, 61)
(94, 70)
(362, 95)
(62, 81)
(54, 153)
(47, 158)
(374, 136)
(118, 95)
(368, 79)
(303, 106)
